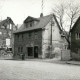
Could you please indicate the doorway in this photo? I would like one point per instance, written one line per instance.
(35, 51)
(30, 51)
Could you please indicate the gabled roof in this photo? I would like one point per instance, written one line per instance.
(42, 22)
(6, 21)
(29, 18)
(78, 20)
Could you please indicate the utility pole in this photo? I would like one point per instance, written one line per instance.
(51, 40)
(42, 6)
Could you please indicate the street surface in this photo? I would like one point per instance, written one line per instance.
(37, 70)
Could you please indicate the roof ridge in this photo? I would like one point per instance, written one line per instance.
(43, 21)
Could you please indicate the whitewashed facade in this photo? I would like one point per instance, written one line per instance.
(58, 42)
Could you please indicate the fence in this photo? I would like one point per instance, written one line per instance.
(65, 55)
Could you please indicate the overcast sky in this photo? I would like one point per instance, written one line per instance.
(18, 10)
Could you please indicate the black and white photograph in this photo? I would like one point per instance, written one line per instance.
(39, 40)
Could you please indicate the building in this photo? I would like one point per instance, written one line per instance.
(38, 37)
(75, 40)
(7, 26)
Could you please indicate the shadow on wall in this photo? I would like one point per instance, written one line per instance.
(56, 52)
(60, 54)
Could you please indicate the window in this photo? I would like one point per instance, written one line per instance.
(30, 24)
(21, 49)
(9, 33)
(18, 49)
(10, 26)
(29, 35)
(22, 36)
(77, 35)
(36, 36)
(26, 25)
(30, 51)
(18, 37)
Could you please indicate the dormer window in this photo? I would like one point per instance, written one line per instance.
(30, 24)
(30, 21)
(22, 36)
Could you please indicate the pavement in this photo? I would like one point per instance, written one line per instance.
(59, 61)
(73, 62)
(54, 60)
(37, 70)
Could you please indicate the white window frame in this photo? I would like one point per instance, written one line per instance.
(77, 35)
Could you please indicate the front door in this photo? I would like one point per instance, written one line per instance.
(35, 51)
(30, 51)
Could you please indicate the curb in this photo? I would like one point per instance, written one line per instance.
(73, 63)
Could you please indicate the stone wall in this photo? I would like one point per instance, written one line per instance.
(28, 41)
(65, 55)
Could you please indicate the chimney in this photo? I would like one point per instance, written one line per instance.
(41, 15)
(8, 18)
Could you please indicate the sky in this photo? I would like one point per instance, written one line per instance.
(19, 10)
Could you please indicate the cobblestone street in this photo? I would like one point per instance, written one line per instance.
(37, 70)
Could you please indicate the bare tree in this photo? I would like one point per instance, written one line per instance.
(73, 13)
(69, 11)
(59, 12)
